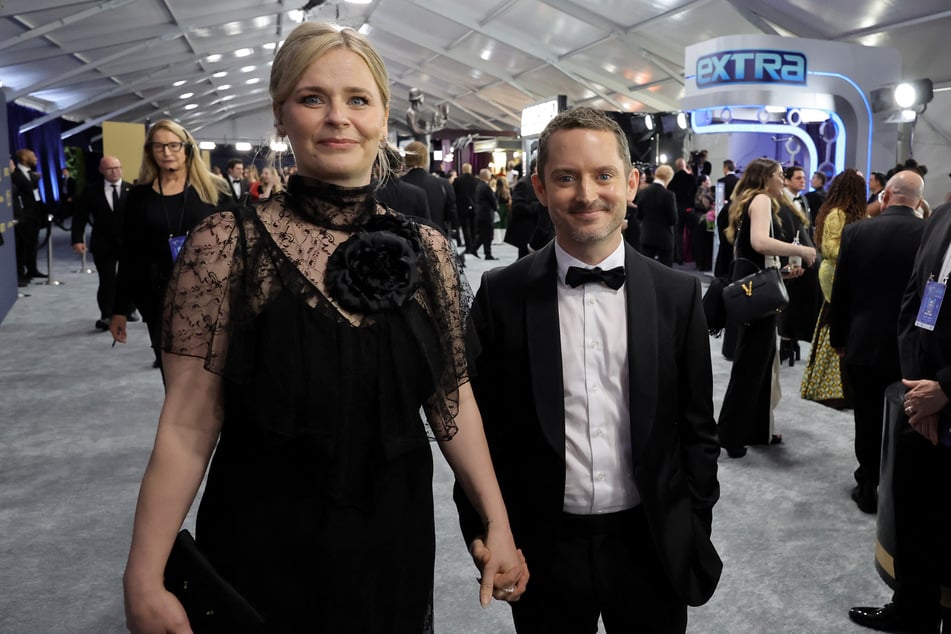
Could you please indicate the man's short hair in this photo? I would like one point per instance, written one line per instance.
(822, 177)
(583, 118)
(417, 155)
(21, 155)
(729, 165)
(790, 171)
(664, 173)
(231, 164)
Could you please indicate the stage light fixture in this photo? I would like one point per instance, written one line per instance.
(908, 95)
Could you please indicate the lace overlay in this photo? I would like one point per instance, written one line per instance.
(234, 265)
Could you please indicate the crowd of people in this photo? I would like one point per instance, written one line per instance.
(303, 317)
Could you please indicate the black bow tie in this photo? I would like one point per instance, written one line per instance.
(797, 199)
(613, 278)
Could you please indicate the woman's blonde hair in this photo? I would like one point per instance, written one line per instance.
(755, 181)
(208, 185)
(309, 42)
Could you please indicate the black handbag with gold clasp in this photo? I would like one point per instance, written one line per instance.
(755, 296)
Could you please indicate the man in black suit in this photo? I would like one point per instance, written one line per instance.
(28, 212)
(465, 187)
(729, 179)
(439, 193)
(523, 216)
(684, 187)
(486, 205)
(236, 181)
(597, 405)
(817, 196)
(67, 197)
(657, 211)
(920, 489)
(103, 206)
(875, 261)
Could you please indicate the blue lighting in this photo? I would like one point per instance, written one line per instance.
(868, 110)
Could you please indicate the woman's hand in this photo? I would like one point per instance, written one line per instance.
(503, 577)
(154, 611)
(791, 272)
(808, 254)
(117, 328)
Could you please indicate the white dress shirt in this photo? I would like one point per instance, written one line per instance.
(599, 466)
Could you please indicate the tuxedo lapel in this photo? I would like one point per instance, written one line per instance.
(544, 347)
(641, 348)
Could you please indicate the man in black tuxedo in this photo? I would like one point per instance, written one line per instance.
(597, 404)
(875, 261)
(657, 211)
(729, 179)
(240, 187)
(439, 193)
(684, 187)
(920, 489)
(28, 211)
(103, 206)
(465, 187)
(398, 195)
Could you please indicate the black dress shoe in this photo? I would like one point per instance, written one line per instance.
(102, 324)
(23, 282)
(736, 452)
(887, 619)
(864, 498)
(36, 274)
(489, 257)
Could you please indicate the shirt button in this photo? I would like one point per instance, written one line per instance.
(594, 388)
(590, 301)
(600, 476)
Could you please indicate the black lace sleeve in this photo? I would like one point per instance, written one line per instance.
(447, 297)
(197, 314)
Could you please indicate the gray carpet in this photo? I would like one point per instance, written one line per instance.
(77, 419)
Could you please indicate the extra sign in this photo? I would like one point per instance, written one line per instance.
(751, 67)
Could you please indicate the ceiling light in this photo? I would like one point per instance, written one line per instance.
(247, 69)
(296, 15)
(278, 146)
(207, 145)
(270, 46)
(242, 146)
(359, 1)
(220, 74)
(662, 158)
(185, 95)
(215, 57)
(648, 122)
(243, 52)
(682, 120)
(224, 87)
(191, 106)
(180, 82)
(253, 81)
(364, 29)
(227, 98)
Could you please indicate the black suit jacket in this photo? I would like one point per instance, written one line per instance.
(106, 237)
(25, 203)
(684, 188)
(876, 257)
(657, 211)
(485, 202)
(436, 195)
(465, 187)
(245, 190)
(523, 215)
(400, 196)
(518, 384)
(729, 184)
(927, 354)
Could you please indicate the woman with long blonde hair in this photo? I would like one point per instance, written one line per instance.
(746, 417)
(175, 190)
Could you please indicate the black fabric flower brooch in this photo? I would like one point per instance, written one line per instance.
(375, 270)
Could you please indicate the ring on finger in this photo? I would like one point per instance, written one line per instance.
(508, 589)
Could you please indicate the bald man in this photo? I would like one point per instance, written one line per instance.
(103, 204)
(875, 261)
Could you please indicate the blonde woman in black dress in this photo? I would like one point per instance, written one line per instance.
(302, 338)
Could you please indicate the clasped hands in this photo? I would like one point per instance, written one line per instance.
(923, 401)
(503, 577)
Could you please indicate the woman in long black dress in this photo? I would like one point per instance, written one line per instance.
(746, 417)
(302, 337)
(175, 191)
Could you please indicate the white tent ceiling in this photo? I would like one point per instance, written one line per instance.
(118, 60)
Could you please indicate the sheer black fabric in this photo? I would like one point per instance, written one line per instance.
(332, 322)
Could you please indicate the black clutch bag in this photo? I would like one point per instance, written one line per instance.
(213, 606)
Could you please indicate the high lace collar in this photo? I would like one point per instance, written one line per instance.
(331, 206)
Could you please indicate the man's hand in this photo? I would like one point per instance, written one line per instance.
(923, 401)
(80, 248)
